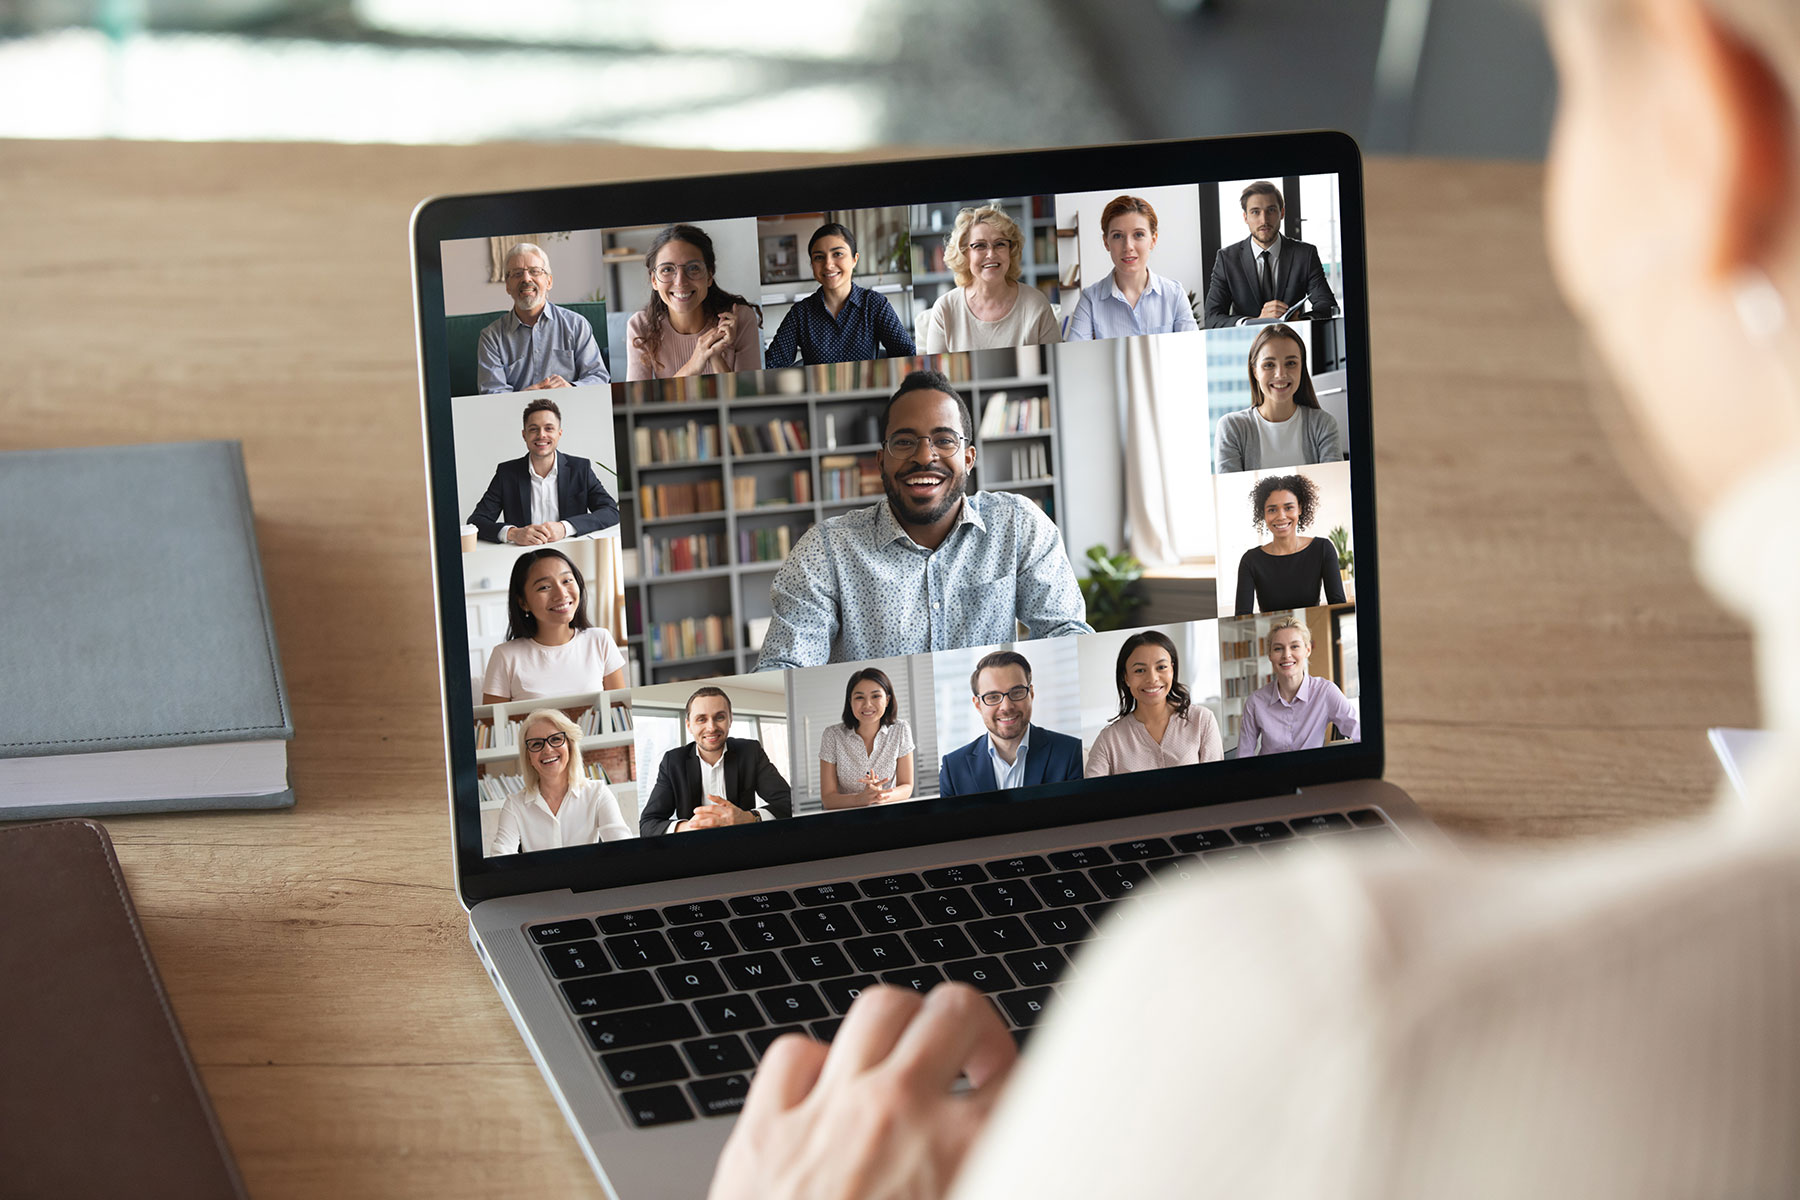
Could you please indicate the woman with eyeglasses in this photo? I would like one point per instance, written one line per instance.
(867, 757)
(558, 806)
(988, 307)
(690, 325)
(551, 648)
(1159, 724)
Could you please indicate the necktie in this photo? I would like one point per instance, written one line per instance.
(1268, 285)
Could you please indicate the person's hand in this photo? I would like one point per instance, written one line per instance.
(706, 347)
(534, 535)
(716, 812)
(550, 381)
(1274, 308)
(873, 1116)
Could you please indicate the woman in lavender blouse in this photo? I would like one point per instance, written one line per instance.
(1291, 711)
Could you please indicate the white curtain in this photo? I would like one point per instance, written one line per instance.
(1158, 473)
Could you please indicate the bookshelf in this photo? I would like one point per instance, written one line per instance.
(931, 223)
(497, 749)
(806, 450)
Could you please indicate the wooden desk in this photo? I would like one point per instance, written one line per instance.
(1551, 665)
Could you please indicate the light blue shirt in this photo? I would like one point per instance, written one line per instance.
(1009, 775)
(510, 355)
(1103, 313)
(857, 587)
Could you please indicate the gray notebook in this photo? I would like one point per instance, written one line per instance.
(136, 651)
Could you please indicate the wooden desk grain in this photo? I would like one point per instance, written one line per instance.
(1552, 666)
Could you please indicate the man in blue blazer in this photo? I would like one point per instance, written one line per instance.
(1261, 277)
(1014, 753)
(545, 496)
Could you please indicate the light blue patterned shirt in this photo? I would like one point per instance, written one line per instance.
(857, 587)
(1009, 775)
(510, 355)
(1103, 313)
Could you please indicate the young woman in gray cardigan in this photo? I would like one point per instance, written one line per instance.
(1285, 427)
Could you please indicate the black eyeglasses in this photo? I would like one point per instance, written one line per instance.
(902, 445)
(555, 741)
(1016, 695)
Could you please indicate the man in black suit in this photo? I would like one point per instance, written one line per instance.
(545, 496)
(716, 780)
(1261, 277)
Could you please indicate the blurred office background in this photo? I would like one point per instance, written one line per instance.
(1455, 77)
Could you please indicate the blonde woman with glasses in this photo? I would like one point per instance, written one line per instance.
(989, 307)
(558, 806)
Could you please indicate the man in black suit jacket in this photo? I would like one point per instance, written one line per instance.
(574, 501)
(716, 780)
(1242, 289)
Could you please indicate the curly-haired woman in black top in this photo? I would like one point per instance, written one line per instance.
(1288, 571)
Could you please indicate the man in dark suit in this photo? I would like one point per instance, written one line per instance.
(716, 780)
(1014, 753)
(545, 496)
(1261, 277)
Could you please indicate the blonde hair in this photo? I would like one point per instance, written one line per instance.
(956, 257)
(566, 727)
(1292, 622)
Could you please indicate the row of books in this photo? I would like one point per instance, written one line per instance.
(1008, 414)
(845, 477)
(1230, 651)
(764, 545)
(770, 437)
(1238, 686)
(689, 637)
(676, 443)
(683, 499)
(694, 552)
(796, 381)
(744, 491)
(1031, 461)
(616, 718)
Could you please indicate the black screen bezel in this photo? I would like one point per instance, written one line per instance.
(868, 185)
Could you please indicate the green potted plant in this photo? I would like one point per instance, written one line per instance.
(1110, 588)
(1340, 540)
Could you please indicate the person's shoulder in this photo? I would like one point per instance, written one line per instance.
(746, 746)
(1031, 298)
(495, 326)
(513, 466)
(1054, 739)
(858, 521)
(952, 298)
(991, 505)
(1236, 419)
(638, 322)
(1302, 247)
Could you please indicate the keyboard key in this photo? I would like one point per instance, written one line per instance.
(891, 885)
(690, 981)
(657, 1106)
(1064, 889)
(1187, 866)
(812, 963)
(1226, 859)
(1013, 868)
(886, 916)
(1009, 896)
(919, 979)
(1096, 911)
(640, 1027)
(770, 932)
(649, 949)
(1321, 823)
(842, 993)
(762, 1039)
(1025, 1007)
(575, 958)
(1000, 935)
(882, 952)
(940, 945)
(1035, 968)
(1367, 818)
(635, 921)
(636, 1068)
(958, 876)
(798, 1002)
(1074, 860)
(828, 924)
(698, 911)
(941, 908)
(562, 931)
(720, 1097)
(1280, 850)
(1373, 836)
(758, 970)
(826, 893)
(1058, 927)
(761, 902)
(1122, 880)
(609, 993)
(1264, 831)
(727, 1014)
(985, 973)
(716, 1056)
(1208, 839)
(1140, 849)
(702, 941)
(825, 1030)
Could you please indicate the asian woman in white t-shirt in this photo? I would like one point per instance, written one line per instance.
(551, 647)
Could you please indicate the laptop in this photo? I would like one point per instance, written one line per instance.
(889, 572)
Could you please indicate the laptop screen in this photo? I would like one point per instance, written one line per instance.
(765, 518)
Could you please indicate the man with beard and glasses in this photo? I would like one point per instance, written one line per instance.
(930, 568)
(537, 344)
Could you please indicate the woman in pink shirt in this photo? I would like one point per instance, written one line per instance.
(690, 325)
(1158, 725)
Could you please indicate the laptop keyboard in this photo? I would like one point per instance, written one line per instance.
(680, 1002)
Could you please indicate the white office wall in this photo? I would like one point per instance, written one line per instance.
(1178, 254)
(576, 272)
(1237, 534)
(816, 701)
